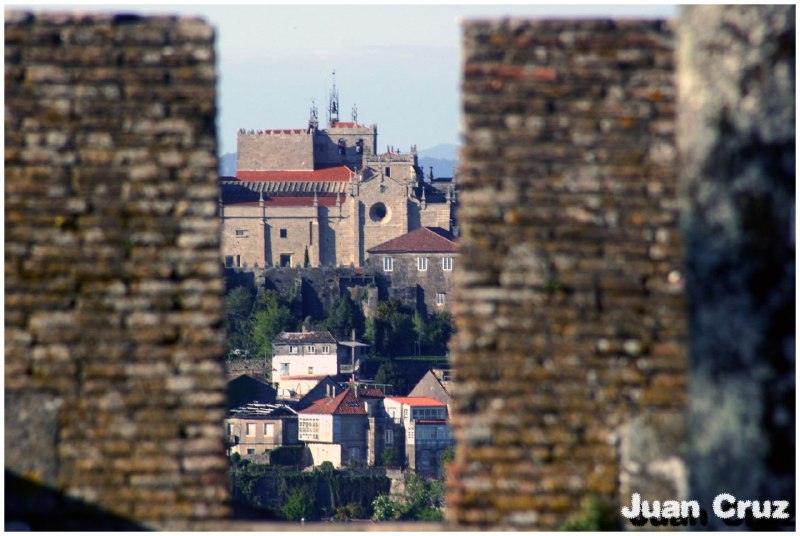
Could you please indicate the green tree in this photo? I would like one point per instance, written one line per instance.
(421, 500)
(390, 373)
(238, 307)
(299, 505)
(270, 318)
(343, 317)
(439, 330)
(393, 329)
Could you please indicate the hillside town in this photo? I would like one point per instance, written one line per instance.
(338, 262)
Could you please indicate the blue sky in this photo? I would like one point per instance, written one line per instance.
(400, 64)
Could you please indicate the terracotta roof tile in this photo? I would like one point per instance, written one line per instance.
(422, 240)
(345, 403)
(339, 173)
(416, 400)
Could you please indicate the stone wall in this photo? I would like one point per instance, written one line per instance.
(569, 305)
(275, 150)
(738, 181)
(114, 383)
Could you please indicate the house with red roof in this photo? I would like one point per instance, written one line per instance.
(417, 267)
(334, 429)
(317, 196)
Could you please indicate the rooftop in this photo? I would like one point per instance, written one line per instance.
(345, 403)
(338, 173)
(416, 400)
(305, 337)
(422, 240)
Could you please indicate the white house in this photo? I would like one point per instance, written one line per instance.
(301, 360)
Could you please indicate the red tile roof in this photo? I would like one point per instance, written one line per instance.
(422, 240)
(305, 201)
(339, 173)
(416, 400)
(345, 403)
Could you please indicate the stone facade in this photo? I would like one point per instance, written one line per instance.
(323, 197)
(114, 381)
(569, 287)
(427, 290)
(254, 430)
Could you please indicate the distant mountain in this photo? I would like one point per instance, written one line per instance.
(227, 165)
(442, 158)
(444, 151)
(441, 166)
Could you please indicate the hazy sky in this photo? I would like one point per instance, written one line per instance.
(400, 64)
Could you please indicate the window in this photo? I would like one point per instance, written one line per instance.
(440, 298)
(230, 428)
(326, 349)
(388, 264)
(292, 349)
(231, 261)
(342, 146)
(447, 263)
(241, 232)
(311, 349)
(311, 370)
(251, 429)
(284, 369)
(283, 233)
(422, 263)
(387, 171)
(251, 451)
(286, 260)
(269, 429)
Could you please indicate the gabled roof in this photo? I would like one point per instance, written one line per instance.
(416, 400)
(305, 337)
(246, 389)
(339, 173)
(422, 240)
(345, 403)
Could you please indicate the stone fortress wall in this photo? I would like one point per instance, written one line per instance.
(573, 354)
(569, 297)
(114, 380)
(570, 366)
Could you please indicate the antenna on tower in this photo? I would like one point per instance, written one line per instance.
(355, 114)
(333, 103)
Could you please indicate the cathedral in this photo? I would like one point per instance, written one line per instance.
(315, 197)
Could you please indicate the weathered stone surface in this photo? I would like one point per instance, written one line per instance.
(568, 328)
(113, 297)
